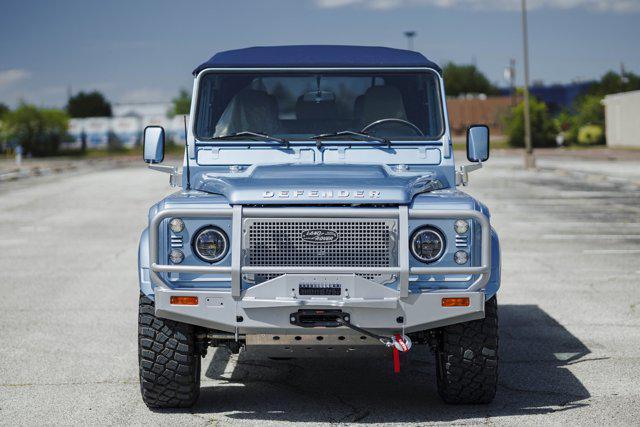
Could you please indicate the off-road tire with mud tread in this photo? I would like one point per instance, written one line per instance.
(467, 359)
(169, 360)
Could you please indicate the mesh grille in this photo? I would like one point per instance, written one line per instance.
(353, 243)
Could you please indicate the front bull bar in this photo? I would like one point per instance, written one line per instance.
(402, 214)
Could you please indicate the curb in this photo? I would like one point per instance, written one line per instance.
(592, 176)
(35, 171)
(40, 171)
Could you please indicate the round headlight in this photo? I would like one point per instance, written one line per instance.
(461, 257)
(461, 226)
(427, 244)
(176, 225)
(176, 256)
(210, 244)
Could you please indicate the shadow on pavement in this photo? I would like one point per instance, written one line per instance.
(535, 350)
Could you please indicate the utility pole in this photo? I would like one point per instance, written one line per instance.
(410, 35)
(510, 77)
(529, 159)
(623, 73)
(512, 82)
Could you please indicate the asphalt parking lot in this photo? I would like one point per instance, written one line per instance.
(569, 313)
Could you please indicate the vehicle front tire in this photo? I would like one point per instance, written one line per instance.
(169, 360)
(467, 359)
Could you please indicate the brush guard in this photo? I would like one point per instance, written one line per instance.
(237, 269)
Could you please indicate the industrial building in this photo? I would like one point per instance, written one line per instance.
(126, 126)
(622, 119)
(471, 110)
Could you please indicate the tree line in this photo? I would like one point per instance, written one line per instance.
(582, 123)
(41, 131)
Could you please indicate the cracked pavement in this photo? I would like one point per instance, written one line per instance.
(569, 314)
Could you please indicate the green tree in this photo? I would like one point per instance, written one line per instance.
(588, 125)
(3, 133)
(39, 130)
(3, 109)
(565, 122)
(543, 128)
(590, 111)
(91, 104)
(461, 79)
(613, 82)
(181, 103)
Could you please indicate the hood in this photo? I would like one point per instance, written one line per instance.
(319, 184)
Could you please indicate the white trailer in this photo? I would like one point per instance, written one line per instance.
(97, 131)
(128, 130)
(622, 111)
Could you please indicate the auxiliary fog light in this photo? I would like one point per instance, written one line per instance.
(461, 257)
(176, 256)
(176, 225)
(461, 226)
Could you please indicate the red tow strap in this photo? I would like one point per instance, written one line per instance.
(396, 361)
(398, 343)
(396, 357)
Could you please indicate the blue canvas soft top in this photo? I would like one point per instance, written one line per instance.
(317, 56)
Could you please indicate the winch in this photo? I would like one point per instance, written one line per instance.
(400, 343)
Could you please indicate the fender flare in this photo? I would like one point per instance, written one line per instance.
(496, 266)
(144, 281)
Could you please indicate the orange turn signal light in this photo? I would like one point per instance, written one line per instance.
(183, 300)
(455, 302)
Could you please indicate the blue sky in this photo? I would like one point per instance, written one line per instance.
(144, 50)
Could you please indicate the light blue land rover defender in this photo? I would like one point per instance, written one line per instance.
(319, 214)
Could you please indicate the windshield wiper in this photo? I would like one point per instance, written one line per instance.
(360, 135)
(260, 135)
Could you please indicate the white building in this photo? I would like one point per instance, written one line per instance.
(622, 114)
(97, 130)
(127, 130)
(93, 130)
(127, 125)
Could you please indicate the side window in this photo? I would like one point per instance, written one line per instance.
(434, 118)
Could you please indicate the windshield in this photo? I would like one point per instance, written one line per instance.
(303, 105)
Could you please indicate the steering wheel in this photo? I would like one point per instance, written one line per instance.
(390, 120)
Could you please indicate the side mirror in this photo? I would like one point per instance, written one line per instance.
(153, 144)
(478, 143)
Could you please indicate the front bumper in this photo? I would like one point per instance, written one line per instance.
(266, 308)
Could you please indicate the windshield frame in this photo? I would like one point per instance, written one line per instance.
(303, 141)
